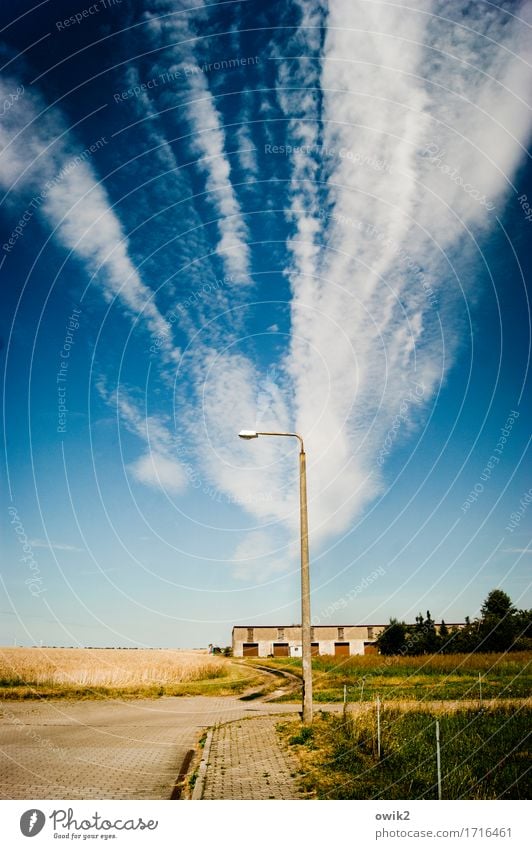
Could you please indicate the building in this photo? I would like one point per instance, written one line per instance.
(285, 640)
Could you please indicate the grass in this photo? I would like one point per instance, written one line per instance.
(484, 754)
(119, 673)
(427, 678)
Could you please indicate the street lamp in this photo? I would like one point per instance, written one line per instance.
(305, 571)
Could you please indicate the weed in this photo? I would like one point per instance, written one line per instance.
(305, 736)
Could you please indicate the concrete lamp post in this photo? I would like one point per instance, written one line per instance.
(305, 571)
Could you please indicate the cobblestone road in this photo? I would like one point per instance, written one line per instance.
(105, 750)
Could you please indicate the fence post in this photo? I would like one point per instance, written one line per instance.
(438, 757)
(480, 686)
(362, 688)
(345, 693)
(378, 727)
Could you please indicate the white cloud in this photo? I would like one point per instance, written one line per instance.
(256, 560)
(56, 546)
(159, 471)
(158, 466)
(371, 292)
(517, 550)
(374, 220)
(208, 139)
(38, 159)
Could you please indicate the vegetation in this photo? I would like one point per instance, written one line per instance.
(500, 627)
(427, 678)
(483, 754)
(101, 673)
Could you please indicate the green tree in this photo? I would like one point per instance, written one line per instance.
(430, 635)
(498, 623)
(523, 622)
(416, 643)
(444, 635)
(392, 639)
(464, 639)
(499, 604)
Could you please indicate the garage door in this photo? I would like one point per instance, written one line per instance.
(251, 649)
(341, 649)
(370, 648)
(280, 650)
(314, 649)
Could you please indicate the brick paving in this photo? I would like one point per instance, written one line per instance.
(135, 749)
(102, 750)
(246, 761)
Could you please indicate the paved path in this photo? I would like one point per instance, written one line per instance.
(106, 750)
(247, 762)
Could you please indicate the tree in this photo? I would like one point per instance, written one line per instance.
(498, 604)
(431, 638)
(416, 643)
(499, 622)
(464, 639)
(523, 621)
(392, 639)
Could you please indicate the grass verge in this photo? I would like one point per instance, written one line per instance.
(427, 678)
(484, 754)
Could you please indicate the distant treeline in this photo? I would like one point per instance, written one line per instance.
(500, 627)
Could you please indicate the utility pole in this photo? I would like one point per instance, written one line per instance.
(306, 647)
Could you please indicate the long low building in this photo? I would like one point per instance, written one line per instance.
(285, 640)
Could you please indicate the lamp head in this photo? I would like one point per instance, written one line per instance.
(248, 434)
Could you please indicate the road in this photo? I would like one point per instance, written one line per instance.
(106, 749)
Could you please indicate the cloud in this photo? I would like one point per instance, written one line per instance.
(375, 229)
(207, 141)
(413, 124)
(41, 160)
(517, 550)
(159, 471)
(247, 152)
(157, 467)
(369, 252)
(255, 560)
(56, 546)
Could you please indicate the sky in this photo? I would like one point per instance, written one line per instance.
(294, 216)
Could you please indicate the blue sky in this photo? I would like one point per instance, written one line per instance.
(311, 216)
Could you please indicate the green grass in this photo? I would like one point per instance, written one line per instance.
(484, 754)
(428, 677)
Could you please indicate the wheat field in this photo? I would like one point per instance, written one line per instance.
(58, 671)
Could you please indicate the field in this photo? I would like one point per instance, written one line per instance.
(27, 673)
(427, 678)
(484, 754)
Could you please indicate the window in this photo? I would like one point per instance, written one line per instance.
(370, 632)
(340, 633)
(312, 634)
(250, 635)
(280, 633)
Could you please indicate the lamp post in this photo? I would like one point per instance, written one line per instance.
(305, 570)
